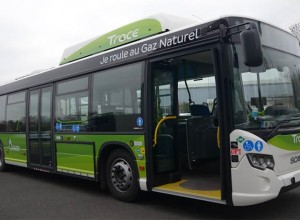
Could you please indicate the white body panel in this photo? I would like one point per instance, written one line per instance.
(251, 185)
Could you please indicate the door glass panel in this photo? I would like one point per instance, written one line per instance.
(46, 126)
(33, 127)
(2, 113)
(164, 129)
(39, 135)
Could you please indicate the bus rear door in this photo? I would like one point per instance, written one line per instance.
(39, 134)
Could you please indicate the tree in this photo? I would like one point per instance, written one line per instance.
(295, 29)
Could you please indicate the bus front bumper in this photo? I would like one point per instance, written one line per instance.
(252, 186)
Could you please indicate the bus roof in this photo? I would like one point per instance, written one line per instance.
(114, 56)
(146, 27)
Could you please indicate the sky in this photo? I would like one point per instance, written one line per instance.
(34, 33)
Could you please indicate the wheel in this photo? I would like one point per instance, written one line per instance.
(122, 176)
(2, 163)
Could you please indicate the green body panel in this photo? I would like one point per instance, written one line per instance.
(75, 157)
(289, 142)
(115, 38)
(14, 147)
(76, 152)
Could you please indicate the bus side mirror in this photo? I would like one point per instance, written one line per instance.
(251, 47)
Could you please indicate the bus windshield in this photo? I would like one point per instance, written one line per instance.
(269, 95)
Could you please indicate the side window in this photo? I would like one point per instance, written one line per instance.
(15, 112)
(117, 99)
(2, 113)
(72, 105)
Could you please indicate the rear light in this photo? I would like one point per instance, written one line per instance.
(261, 161)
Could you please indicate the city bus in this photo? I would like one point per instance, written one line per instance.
(207, 111)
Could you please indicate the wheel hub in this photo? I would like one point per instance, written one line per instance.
(121, 175)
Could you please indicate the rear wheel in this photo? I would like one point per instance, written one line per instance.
(2, 163)
(122, 176)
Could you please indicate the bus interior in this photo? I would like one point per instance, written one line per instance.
(186, 154)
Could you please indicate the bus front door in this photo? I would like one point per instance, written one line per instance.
(186, 157)
(39, 132)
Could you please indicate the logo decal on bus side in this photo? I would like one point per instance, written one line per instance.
(295, 159)
(296, 138)
(123, 37)
(13, 147)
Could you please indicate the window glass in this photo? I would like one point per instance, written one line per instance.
(196, 86)
(15, 112)
(46, 109)
(17, 97)
(164, 95)
(72, 85)
(266, 95)
(116, 99)
(2, 113)
(72, 112)
(33, 111)
(71, 105)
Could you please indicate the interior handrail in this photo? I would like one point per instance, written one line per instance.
(158, 125)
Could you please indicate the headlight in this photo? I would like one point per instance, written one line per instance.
(261, 161)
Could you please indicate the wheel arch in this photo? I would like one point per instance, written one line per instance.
(2, 155)
(2, 146)
(1, 143)
(103, 153)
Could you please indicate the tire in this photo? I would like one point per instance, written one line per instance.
(122, 176)
(2, 163)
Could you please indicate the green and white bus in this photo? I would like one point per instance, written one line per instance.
(207, 111)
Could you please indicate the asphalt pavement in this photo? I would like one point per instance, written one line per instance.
(28, 194)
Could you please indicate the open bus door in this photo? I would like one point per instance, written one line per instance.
(186, 156)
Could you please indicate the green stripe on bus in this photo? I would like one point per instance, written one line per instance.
(126, 34)
(285, 142)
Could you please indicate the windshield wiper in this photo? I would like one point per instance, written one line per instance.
(279, 125)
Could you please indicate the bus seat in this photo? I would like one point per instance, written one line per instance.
(199, 110)
(201, 139)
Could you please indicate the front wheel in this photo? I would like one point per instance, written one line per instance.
(2, 163)
(122, 176)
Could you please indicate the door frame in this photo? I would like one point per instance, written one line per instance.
(216, 51)
(29, 163)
